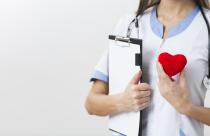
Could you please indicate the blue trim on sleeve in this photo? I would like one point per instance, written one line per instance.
(97, 75)
(157, 26)
(181, 133)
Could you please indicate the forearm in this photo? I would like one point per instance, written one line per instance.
(199, 113)
(102, 104)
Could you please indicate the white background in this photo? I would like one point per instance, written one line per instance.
(48, 49)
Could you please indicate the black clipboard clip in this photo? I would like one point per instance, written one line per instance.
(134, 41)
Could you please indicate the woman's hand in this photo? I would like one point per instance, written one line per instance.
(175, 92)
(136, 97)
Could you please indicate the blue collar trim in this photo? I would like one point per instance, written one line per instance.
(157, 26)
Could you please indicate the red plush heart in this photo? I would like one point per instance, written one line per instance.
(172, 65)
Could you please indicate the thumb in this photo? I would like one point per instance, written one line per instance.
(136, 78)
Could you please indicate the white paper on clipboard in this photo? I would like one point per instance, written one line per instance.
(121, 70)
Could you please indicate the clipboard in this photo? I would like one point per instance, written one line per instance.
(125, 60)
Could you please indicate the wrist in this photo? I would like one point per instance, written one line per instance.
(187, 109)
(119, 102)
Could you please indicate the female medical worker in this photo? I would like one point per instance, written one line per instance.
(174, 26)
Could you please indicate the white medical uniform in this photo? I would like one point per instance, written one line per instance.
(188, 37)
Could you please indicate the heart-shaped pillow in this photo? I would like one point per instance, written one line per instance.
(172, 65)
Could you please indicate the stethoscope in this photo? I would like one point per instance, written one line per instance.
(206, 80)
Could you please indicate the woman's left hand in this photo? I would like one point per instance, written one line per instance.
(175, 92)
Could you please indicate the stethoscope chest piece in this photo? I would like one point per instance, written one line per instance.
(206, 82)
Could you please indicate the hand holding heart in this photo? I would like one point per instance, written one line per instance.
(175, 92)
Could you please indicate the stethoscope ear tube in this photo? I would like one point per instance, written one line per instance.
(206, 80)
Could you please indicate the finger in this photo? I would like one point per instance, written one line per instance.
(136, 78)
(143, 94)
(161, 73)
(143, 87)
(160, 70)
(144, 105)
(143, 100)
(182, 78)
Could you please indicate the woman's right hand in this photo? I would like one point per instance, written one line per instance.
(136, 97)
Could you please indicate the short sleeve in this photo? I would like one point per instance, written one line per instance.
(101, 70)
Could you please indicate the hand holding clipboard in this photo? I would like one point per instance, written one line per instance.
(125, 60)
